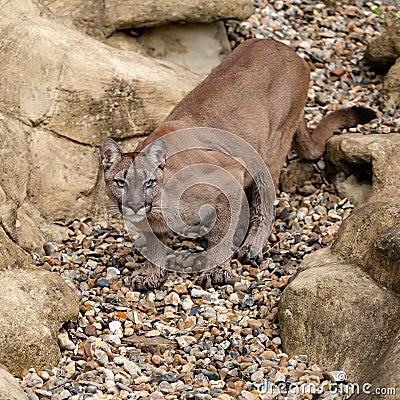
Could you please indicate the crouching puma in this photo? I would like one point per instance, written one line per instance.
(257, 93)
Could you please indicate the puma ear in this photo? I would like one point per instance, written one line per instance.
(110, 153)
(157, 152)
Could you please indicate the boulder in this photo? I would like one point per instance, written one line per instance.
(62, 93)
(101, 19)
(366, 158)
(34, 304)
(77, 87)
(343, 308)
(10, 388)
(371, 238)
(336, 314)
(384, 376)
(383, 52)
(390, 92)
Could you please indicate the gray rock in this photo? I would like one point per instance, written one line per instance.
(334, 293)
(46, 302)
(10, 388)
(367, 156)
(102, 20)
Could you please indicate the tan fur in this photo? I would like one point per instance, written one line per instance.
(258, 93)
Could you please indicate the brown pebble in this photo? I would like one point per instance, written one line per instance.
(90, 330)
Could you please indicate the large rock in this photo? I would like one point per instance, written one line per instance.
(104, 18)
(371, 238)
(366, 159)
(391, 92)
(343, 308)
(10, 388)
(337, 315)
(34, 304)
(62, 93)
(385, 376)
(77, 87)
(382, 54)
(11, 254)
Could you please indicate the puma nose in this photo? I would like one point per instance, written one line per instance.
(135, 207)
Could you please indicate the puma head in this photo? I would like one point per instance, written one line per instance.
(133, 181)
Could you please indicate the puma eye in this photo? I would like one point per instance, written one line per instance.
(119, 182)
(150, 183)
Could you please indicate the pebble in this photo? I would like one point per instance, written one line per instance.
(219, 343)
(187, 304)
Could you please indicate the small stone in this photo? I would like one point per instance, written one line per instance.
(277, 340)
(114, 326)
(90, 330)
(187, 304)
(279, 377)
(200, 293)
(50, 248)
(33, 380)
(172, 298)
(65, 342)
(103, 283)
(234, 298)
(257, 376)
(156, 396)
(153, 333)
(101, 356)
(132, 368)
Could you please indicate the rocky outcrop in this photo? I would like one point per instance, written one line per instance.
(372, 163)
(34, 304)
(9, 387)
(383, 52)
(336, 314)
(57, 106)
(382, 55)
(104, 18)
(343, 308)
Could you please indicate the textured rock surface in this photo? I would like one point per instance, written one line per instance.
(33, 306)
(343, 309)
(56, 107)
(385, 375)
(198, 47)
(372, 159)
(337, 315)
(9, 387)
(295, 175)
(104, 18)
(370, 238)
(382, 52)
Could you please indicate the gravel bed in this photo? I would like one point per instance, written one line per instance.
(182, 342)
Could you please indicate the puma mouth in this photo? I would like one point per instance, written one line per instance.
(134, 216)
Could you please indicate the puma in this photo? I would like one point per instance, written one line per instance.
(257, 93)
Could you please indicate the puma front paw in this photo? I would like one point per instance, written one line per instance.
(246, 255)
(220, 275)
(148, 277)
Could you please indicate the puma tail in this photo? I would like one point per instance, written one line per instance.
(311, 145)
(344, 118)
